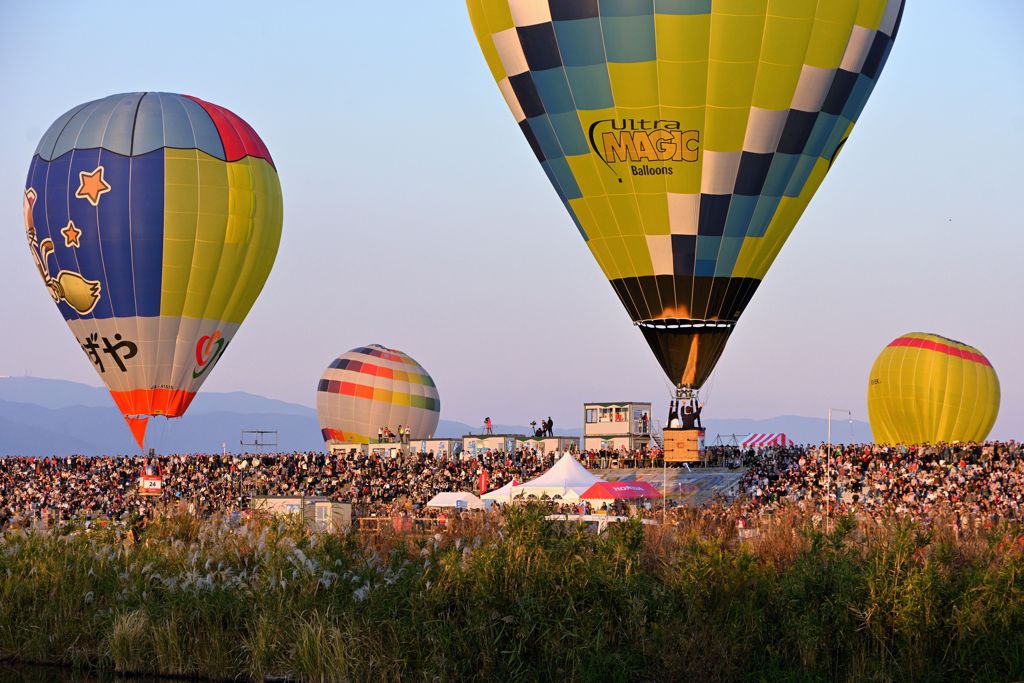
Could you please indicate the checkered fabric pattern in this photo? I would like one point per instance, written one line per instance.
(372, 387)
(685, 137)
(773, 87)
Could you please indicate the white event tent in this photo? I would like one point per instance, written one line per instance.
(454, 499)
(502, 495)
(567, 479)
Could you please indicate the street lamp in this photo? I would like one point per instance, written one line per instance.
(828, 464)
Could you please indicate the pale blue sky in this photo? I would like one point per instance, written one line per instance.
(417, 217)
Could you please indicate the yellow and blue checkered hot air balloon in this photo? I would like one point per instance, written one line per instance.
(686, 137)
(154, 220)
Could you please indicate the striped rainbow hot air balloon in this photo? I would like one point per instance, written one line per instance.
(372, 387)
(154, 220)
(925, 388)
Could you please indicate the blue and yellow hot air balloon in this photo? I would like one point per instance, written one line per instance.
(154, 220)
(686, 137)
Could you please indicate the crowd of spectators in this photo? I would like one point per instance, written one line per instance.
(971, 483)
(968, 483)
(54, 489)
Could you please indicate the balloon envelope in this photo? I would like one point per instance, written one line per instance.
(685, 137)
(154, 220)
(373, 387)
(925, 388)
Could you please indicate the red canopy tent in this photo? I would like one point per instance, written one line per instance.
(763, 440)
(620, 490)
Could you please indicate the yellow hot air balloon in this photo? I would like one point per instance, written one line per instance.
(929, 389)
(686, 137)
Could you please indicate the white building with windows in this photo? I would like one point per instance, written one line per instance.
(616, 426)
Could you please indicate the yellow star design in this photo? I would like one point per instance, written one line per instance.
(71, 235)
(92, 185)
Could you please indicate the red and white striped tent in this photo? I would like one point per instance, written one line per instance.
(763, 440)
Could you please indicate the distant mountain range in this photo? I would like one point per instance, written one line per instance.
(47, 416)
(811, 430)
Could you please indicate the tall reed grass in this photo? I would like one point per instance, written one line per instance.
(519, 598)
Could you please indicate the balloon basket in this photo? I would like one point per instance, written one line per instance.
(683, 445)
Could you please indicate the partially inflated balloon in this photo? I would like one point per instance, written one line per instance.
(928, 389)
(373, 387)
(686, 137)
(154, 220)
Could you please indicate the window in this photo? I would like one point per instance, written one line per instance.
(591, 415)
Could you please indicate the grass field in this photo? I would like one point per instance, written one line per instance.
(521, 599)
